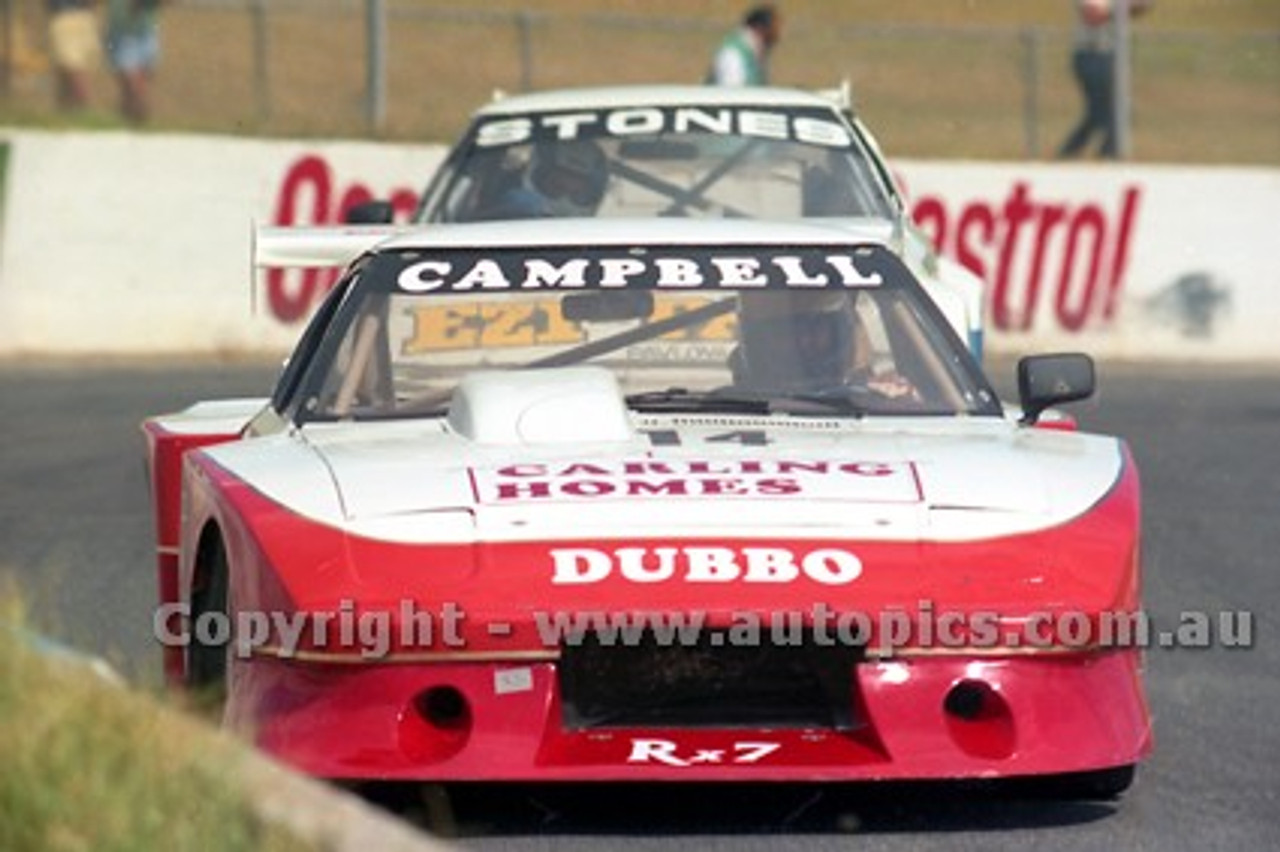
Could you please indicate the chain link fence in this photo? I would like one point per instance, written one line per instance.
(406, 71)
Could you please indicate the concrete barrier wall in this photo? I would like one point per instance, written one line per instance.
(137, 243)
(123, 243)
(1138, 262)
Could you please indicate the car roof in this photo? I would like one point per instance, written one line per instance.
(535, 233)
(620, 97)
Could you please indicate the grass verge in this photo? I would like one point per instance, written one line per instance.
(91, 765)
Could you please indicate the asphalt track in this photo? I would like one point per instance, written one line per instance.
(75, 532)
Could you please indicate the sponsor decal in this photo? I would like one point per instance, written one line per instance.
(805, 127)
(878, 481)
(829, 566)
(468, 324)
(509, 681)
(636, 269)
(671, 754)
(1043, 259)
(465, 324)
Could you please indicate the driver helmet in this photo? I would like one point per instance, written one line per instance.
(571, 176)
(794, 340)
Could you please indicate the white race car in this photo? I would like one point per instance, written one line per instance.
(687, 151)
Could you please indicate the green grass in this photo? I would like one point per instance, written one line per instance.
(934, 78)
(93, 766)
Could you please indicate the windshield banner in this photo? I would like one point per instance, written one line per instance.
(677, 268)
(807, 127)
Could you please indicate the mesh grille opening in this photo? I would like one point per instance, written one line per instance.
(710, 684)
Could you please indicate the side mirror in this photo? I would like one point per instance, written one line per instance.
(1045, 380)
(370, 213)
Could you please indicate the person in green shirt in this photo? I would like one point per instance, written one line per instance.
(742, 59)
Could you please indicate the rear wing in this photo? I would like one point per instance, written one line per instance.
(841, 96)
(311, 246)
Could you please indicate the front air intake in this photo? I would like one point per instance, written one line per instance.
(711, 683)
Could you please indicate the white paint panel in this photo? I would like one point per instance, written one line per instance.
(403, 482)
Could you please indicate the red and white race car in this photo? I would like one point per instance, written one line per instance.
(649, 499)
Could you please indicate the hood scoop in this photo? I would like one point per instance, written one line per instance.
(564, 405)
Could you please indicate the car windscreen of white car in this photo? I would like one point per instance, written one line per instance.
(694, 162)
(803, 331)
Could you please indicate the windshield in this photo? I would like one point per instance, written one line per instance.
(697, 162)
(812, 331)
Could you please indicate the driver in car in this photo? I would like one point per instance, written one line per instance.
(563, 178)
(808, 343)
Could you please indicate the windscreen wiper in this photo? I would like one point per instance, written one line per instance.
(837, 400)
(683, 399)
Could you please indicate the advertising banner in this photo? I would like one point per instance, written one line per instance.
(138, 243)
(1124, 261)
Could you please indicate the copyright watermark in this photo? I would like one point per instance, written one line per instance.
(375, 634)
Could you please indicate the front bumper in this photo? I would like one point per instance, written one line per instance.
(918, 718)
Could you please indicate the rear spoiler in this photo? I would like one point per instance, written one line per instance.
(841, 96)
(311, 246)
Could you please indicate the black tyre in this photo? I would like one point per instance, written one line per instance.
(207, 663)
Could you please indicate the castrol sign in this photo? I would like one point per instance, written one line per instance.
(1051, 259)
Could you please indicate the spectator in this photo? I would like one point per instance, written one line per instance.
(133, 43)
(1093, 62)
(742, 59)
(74, 48)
